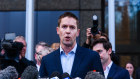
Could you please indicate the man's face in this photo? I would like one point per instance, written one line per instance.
(68, 31)
(23, 51)
(39, 48)
(104, 54)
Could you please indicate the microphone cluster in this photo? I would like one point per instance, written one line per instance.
(90, 75)
(56, 75)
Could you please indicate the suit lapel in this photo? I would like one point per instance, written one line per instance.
(112, 71)
(58, 61)
(77, 60)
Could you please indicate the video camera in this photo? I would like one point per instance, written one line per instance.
(11, 49)
(94, 29)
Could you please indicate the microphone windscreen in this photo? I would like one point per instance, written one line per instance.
(30, 72)
(65, 75)
(94, 75)
(55, 74)
(9, 73)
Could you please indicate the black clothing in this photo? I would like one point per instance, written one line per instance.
(19, 65)
(138, 73)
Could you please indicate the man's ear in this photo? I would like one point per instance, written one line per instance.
(57, 29)
(78, 31)
(110, 51)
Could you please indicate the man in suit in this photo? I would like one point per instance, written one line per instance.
(111, 70)
(70, 57)
(138, 73)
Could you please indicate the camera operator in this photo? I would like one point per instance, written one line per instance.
(22, 58)
(91, 37)
(14, 55)
(94, 33)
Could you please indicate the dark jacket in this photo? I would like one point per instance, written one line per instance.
(85, 60)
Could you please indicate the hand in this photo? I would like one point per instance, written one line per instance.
(89, 35)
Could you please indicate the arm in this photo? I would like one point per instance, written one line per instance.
(126, 75)
(42, 70)
(97, 64)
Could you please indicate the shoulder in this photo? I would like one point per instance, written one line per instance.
(87, 52)
(51, 55)
(120, 69)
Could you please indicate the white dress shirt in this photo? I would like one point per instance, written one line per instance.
(67, 60)
(107, 69)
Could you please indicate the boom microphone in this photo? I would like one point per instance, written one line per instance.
(55, 75)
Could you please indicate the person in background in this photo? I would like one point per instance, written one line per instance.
(70, 57)
(90, 37)
(137, 73)
(24, 62)
(111, 70)
(55, 46)
(42, 49)
(130, 67)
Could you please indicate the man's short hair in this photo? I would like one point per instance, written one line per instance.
(106, 44)
(43, 44)
(19, 37)
(68, 14)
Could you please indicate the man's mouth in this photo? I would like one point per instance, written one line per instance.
(67, 38)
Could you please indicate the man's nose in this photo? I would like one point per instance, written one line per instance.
(68, 30)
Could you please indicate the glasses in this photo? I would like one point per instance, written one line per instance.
(38, 53)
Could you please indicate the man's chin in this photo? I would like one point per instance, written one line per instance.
(67, 44)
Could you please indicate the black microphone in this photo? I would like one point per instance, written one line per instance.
(55, 75)
(30, 72)
(94, 75)
(66, 76)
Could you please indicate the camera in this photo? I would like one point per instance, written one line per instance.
(11, 49)
(94, 29)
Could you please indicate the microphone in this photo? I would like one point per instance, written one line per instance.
(66, 76)
(9, 73)
(94, 75)
(30, 72)
(55, 75)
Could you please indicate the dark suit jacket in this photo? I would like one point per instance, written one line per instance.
(85, 60)
(117, 72)
(138, 73)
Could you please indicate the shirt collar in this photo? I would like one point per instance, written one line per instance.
(109, 66)
(73, 50)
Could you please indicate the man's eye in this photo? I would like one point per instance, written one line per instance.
(99, 51)
(72, 27)
(64, 26)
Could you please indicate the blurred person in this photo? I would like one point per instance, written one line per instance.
(130, 67)
(111, 70)
(90, 37)
(24, 62)
(137, 73)
(22, 40)
(42, 49)
(9, 73)
(55, 46)
(70, 57)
